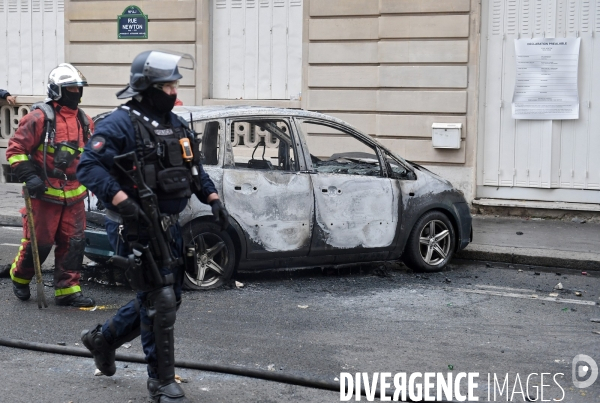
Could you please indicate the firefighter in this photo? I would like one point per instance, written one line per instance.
(146, 127)
(44, 153)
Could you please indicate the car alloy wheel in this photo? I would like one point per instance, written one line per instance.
(431, 243)
(434, 242)
(215, 260)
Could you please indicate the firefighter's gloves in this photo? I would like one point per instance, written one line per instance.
(35, 186)
(130, 211)
(220, 213)
(26, 172)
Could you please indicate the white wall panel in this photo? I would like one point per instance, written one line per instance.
(32, 44)
(534, 153)
(251, 50)
(259, 56)
(220, 49)
(265, 20)
(39, 75)
(3, 44)
(279, 49)
(294, 64)
(237, 49)
(25, 47)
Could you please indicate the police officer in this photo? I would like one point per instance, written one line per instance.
(146, 126)
(44, 153)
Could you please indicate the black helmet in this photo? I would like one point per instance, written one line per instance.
(151, 67)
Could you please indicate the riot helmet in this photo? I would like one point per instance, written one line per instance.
(64, 75)
(153, 67)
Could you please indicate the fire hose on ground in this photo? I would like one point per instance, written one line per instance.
(297, 380)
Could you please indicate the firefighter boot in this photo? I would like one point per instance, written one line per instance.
(104, 354)
(21, 291)
(166, 392)
(77, 299)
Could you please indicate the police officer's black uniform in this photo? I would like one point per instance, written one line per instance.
(146, 126)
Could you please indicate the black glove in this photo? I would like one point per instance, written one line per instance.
(35, 186)
(221, 215)
(131, 211)
(26, 172)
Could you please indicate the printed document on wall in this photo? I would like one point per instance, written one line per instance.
(546, 80)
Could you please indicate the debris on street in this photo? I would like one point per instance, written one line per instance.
(303, 306)
(558, 286)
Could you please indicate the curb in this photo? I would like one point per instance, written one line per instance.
(536, 257)
(11, 220)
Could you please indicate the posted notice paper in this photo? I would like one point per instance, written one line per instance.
(546, 80)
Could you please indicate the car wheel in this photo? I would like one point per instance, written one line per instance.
(215, 256)
(430, 245)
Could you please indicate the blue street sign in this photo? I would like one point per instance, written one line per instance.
(132, 24)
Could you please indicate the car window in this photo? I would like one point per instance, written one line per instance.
(335, 151)
(209, 131)
(396, 170)
(262, 144)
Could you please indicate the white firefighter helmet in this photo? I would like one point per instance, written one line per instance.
(64, 75)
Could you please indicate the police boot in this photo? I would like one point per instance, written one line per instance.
(21, 291)
(77, 299)
(104, 354)
(166, 392)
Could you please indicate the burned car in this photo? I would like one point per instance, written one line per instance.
(306, 189)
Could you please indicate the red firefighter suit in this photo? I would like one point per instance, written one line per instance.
(59, 215)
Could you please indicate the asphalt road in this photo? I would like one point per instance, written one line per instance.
(472, 318)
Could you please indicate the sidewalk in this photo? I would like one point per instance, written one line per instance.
(550, 243)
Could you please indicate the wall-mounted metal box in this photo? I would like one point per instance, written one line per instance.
(446, 135)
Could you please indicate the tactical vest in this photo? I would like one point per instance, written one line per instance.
(160, 154)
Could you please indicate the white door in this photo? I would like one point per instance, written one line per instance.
(534, 154)
(256, 49)
(34, 32)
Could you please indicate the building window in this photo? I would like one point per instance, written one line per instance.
(256, 49)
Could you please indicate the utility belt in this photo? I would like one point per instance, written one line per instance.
(166, 220)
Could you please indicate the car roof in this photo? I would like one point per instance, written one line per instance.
(222, 111)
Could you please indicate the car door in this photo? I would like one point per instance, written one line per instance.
(267, 189)
(356, 206)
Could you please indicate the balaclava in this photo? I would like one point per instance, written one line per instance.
(70, 99)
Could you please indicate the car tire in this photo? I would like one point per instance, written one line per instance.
(215, 256)
(431, 243)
